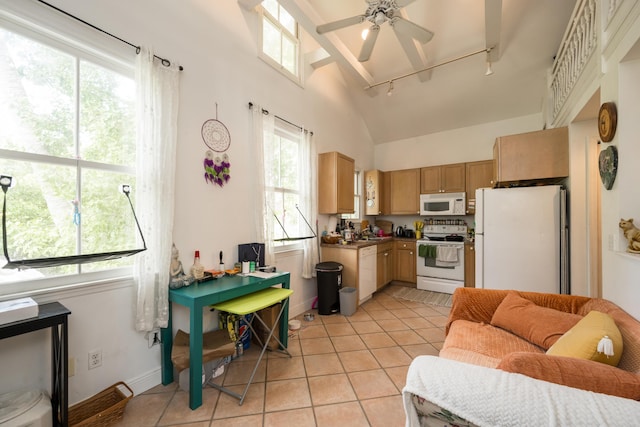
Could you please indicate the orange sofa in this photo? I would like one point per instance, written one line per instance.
(496, 347)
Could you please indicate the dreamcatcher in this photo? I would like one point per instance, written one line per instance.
(216, 136)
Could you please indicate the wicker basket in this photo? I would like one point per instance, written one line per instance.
(103, 409)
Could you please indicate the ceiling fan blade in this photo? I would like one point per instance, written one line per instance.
(369, 42)
(409, 47)
(403, 3)
(342, 23)
(409, 28)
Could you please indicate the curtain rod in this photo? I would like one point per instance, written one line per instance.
(164, 61)
(266, 112)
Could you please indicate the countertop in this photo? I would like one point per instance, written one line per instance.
(364, 243)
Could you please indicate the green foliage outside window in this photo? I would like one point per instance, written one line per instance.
(67, 134)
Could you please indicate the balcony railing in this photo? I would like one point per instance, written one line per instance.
(578, 44)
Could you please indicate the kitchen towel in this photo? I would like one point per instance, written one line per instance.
(447, 256)
(427, 251)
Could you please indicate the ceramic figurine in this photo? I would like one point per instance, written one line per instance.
(632, 233)
(178, 278)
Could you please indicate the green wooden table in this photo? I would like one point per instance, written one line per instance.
(196, 298)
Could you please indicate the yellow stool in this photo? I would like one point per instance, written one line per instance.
(251, 304)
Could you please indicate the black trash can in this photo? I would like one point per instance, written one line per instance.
(329, 278)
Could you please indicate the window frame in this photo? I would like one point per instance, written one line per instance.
(282, 129)
(70, 38)
(357, 195)
(264, 14)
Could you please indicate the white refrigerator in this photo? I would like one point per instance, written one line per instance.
(521, 239)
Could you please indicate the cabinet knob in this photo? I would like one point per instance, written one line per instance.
(411, 253)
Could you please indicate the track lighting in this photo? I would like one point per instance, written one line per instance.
(487, 73)
(489, 70)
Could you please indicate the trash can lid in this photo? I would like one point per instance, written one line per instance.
(16, 403)
(329, 266)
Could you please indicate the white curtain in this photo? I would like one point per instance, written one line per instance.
(261, 129)
(156, 136)
(309, 202)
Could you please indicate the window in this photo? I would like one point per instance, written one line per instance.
(280, 39)
(67, 140)
(356, 198)
(284, 160)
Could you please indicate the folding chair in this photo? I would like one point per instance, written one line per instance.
(251, 304)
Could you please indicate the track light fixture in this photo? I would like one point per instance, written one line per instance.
(487, 73)
(489, 70)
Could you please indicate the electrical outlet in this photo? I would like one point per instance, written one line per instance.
(95, 358)
(72, 367)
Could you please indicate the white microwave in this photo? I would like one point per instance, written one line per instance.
(443, 204)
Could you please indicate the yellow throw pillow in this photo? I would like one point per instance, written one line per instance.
(582, 340)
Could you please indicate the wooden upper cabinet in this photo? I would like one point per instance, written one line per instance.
(335, 183)
(479, 175)
(443, 179)
(405, 192)
(530, 157)
(374, 190)
(385, 190)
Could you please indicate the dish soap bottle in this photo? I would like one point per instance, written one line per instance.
(197, 270)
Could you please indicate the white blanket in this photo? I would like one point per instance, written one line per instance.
(491, 397)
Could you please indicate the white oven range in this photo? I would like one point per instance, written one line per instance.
(440, 258)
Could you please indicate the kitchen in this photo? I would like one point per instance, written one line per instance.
(427, 216)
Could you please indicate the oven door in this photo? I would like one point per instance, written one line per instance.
(440, 260)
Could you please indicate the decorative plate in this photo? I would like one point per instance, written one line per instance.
(608, 165)
(607, 121)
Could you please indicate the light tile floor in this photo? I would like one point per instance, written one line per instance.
(346, 371)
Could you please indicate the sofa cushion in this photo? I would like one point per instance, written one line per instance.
(582, 340)
(539, 325)
(572, 372)
(482, 344)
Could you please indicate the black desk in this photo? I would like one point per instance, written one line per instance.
(52, 315)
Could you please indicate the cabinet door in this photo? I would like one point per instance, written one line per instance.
(373, 187)
(405, 192)
(335, 183)
(479, 175)
(345, 191)
(384, 265)
(430, 180)
(469, 266)
(452, 178)
(406, 261)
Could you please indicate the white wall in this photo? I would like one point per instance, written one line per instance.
(621, 85)
(459, 145)
(216, 44)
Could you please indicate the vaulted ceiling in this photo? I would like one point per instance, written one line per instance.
(523, 36)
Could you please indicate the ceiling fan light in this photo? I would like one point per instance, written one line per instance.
(489, 70)
(380, 18)
(364, 33)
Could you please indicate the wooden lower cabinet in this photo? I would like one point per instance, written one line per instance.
(384, 264)
(349, 260)
(469, 265)
(405, 258)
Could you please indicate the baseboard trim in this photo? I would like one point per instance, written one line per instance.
(146, 381)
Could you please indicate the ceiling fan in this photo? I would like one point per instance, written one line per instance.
(378, 12)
